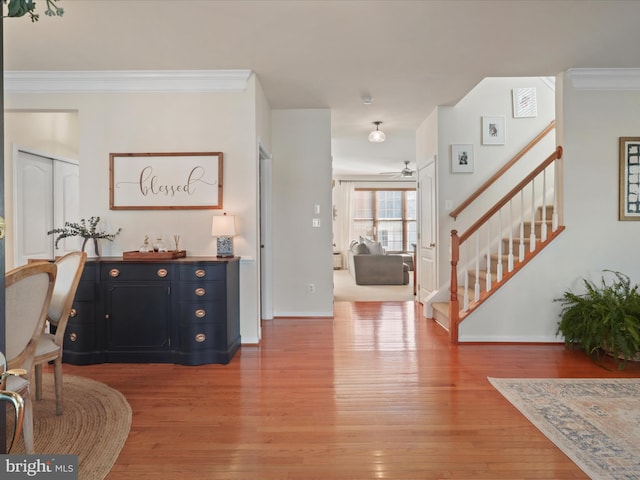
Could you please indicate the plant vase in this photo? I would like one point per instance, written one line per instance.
(96, 247)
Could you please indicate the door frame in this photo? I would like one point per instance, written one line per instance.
(265, 231)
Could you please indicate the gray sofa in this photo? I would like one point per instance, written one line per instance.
(375, 268)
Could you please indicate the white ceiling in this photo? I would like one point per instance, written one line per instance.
(410, 56)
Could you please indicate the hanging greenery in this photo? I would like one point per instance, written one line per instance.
(19, 8)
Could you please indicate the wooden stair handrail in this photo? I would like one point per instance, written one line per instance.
(457, 211)
(514, 191)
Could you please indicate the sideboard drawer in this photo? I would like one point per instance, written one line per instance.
(202, 272)
(125, 271)
(202, 291)
(201, 336)
(202, 312)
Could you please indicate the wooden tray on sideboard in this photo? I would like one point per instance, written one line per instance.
(170, 255)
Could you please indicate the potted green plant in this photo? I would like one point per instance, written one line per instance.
(87, 229)
(19, 8)
(606, 318)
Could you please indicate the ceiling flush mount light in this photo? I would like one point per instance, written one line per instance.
(377, 135)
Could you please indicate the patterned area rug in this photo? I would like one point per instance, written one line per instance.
(595, 422)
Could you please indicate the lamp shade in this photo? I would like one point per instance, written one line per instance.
(377, 135)
(223, 226)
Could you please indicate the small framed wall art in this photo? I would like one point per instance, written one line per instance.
(462, 158)
(525, 103)
(493, 130)
(629, 190)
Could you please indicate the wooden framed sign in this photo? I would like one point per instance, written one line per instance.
(165, 181)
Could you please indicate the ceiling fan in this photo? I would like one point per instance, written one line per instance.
(406, 172)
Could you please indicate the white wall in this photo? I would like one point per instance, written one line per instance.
(301, 149)
(169, 122)
(462, 124)
(594, 239)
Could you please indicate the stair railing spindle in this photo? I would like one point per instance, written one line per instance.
(510, 256)
(532, 235)
(499, 265)
(554, 214)
(543, 232)
(476, 293)
(521, 246)
(488, 284)
(465, 298)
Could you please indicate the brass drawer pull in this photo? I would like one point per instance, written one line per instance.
(162, 272)
(200, 273)
(200, 292)
(114, 272)
(73, 312)
(73, 337)
(200, 313)
(200, 337)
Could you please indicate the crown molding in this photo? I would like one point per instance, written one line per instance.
(126, 81)
(605, 78)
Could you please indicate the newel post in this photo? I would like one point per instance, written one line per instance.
(454, 306)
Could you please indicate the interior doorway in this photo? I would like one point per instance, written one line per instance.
(265, 228)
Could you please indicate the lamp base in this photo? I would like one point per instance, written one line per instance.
(225, 246)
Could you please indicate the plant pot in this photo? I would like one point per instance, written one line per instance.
(96, 249)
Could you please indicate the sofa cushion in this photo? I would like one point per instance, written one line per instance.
(375, 248)
(360, 248)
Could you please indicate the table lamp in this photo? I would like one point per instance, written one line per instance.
(224, 227)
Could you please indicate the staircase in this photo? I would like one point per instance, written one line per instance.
(478, 280)
(501, 242)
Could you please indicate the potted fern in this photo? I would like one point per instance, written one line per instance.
(606, 318)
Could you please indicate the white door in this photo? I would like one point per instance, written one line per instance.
(45, 196)
(427, 248)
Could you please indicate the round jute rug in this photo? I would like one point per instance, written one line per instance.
(95, 424)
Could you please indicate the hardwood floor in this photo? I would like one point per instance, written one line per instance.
(377, 392)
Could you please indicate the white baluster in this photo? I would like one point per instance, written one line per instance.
(543, 233)
(477, 285)
(465, 301)
(521, 247)
(554, 215)
(488, 284)
(532, 236)
(499, 265)
(510, 257)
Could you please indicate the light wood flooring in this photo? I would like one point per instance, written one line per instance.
(377, 392)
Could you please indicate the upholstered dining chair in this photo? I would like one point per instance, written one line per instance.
(27, 296)
(49, 348)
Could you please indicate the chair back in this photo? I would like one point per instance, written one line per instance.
(70, 268)
(27, 296)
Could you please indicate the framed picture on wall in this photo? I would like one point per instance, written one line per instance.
(629, 189)
(165, 181)
(493, 131)
(525, 103)
(462, 158)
